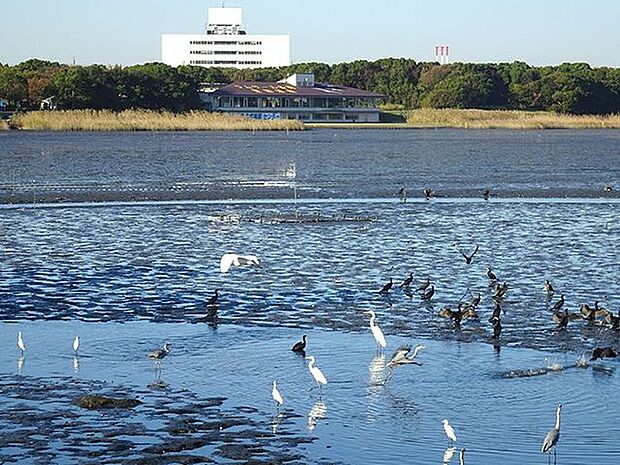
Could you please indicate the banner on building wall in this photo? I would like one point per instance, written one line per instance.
(265, 116)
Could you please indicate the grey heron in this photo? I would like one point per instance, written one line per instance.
(159, 354)
(402, 356)
(552, 437)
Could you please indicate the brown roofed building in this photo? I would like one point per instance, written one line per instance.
(297, 97)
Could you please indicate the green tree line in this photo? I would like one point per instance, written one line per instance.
(569, 88)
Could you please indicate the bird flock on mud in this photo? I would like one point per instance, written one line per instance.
(406, 354)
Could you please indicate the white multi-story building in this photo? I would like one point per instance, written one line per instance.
(225, 44)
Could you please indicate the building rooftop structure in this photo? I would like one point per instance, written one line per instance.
(297, 97)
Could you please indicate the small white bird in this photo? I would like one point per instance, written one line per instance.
(276, 394)
(316, 373)
(76, 344)
(229, 259)
(20, 342)
(449, 431)
(376, 331)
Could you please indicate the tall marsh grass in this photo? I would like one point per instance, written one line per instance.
(504, 119)
(145, 120)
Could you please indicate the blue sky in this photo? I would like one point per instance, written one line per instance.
(540, 32)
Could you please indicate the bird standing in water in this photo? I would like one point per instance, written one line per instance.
(558, 305)
(277, 397)
(159, 354)
(449, 430)
(492, 277)
(316, 372)
(407, 282)
(376, 331)
(76, 344)
(386, 288)
(300, 346)
(20, 342)
(553, 436)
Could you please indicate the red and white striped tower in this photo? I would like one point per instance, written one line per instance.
(442, 54)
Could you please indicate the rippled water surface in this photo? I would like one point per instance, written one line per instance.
(127, 276)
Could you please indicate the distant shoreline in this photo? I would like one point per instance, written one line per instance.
(151, 120)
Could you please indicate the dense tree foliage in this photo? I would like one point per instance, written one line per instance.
(568, 88)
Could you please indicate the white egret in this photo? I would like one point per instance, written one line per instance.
(276, 395)
(316, 372)
(553, 436)
(376, 331)
(20, 342)
(76, 344)
(160, 353)
(449, 431)
(229, 259)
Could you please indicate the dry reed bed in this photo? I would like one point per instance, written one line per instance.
(504, 119)
(145, 120)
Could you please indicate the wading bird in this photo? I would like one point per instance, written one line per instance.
(401, 356)
(449, 430)
(316, 372)
(423, 285)
(229, 259)
(552, 437)
(558, 305)
(300, 346)
(468, 258)
(277, 397)
(496, 312)
(492, 277)
(386, 288)
(428, 293)
(548, 288)
(603, 352)
(407, 282)
(497, 327)
(159, 354)
(20, 342)
(402, 193)
(376, 331)
(562, 318)
(486, 194)
(76, 344)
(429, 193)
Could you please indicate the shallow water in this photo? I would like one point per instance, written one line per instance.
(355, 419)
(127, 276)
(38, 167)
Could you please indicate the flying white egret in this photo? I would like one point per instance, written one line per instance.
(376, 331)
(449, 431)
(553, 436)
(276, 395)
(76, 344)
(229, 259)
(316, 372)
(20, 342)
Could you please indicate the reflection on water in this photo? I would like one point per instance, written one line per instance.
(448, 455)
(316, 413)
(459, 381)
